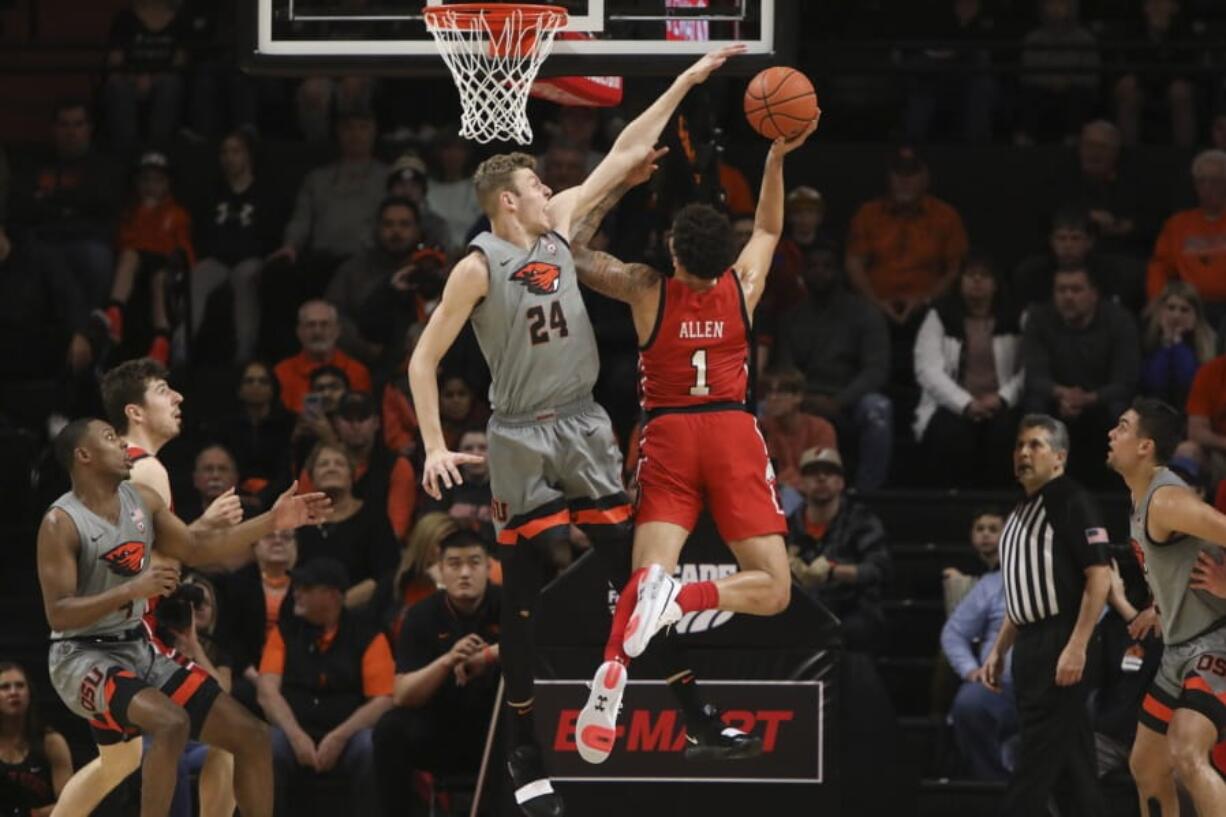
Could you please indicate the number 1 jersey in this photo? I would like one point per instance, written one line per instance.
(533, 327)
(698, 351)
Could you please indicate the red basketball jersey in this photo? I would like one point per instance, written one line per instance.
(698, 352)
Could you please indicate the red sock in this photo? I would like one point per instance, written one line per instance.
(698, 596)
(159, 350)
(114, 318)
(621, 615)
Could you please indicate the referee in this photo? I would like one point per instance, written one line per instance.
(1054, 564)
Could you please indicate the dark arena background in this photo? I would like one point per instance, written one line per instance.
(1009, 207)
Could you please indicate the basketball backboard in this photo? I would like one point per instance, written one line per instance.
(626, 36)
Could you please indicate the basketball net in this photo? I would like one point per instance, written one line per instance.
(494, 53)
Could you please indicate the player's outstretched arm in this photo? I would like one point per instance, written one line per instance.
(467, 284)
(634, 143)
(58, 546)
(754, 262)
(231, 547)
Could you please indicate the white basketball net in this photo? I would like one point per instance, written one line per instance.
(494, 67)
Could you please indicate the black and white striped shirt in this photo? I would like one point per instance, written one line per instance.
(1047, 543)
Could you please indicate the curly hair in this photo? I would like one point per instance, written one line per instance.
(125, 385)
(702, 240)
(496, 174)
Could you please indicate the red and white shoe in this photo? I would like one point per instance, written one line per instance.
(596, 729)
(656, 609)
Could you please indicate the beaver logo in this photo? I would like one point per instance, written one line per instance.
(126, 559)
(540, 278)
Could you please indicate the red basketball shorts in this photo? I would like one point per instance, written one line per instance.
(718, 458)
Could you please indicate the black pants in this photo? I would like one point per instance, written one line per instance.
(426, 739)
(959, 451)
(1056, 754)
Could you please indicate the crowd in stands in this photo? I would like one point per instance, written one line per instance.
(899, 347)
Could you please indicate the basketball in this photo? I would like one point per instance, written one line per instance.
(780, 101)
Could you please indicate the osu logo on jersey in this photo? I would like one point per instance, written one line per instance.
(126, 559)
(540, 278)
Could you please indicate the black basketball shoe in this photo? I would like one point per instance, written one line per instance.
(533, 791)
(711, 739)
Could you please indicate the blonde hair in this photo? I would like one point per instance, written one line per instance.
(1204, 339)
(421, 544)
(495, 175)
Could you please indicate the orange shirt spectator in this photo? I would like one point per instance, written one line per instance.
(163, 228)
(1207, 399)
(378, 667)
(294, 376)
(1191, 247)
(789, 431)
(906, 247)
(400, 427)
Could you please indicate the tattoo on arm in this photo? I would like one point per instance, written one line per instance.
(611, 276)
(587, 226)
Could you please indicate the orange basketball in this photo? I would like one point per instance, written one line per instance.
(780, 101)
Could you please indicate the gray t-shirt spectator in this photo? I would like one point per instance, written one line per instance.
(336, 208)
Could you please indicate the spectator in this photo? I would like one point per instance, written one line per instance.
(841, 344)
(155, 246)
(1190, 246)
(1071, 247)
(43, 313)
(1081, 358)
(804, 214)
(1100, 185)
(418, 575)
(905, 248)
(451, 193)
(328, 385)
(1060, 65)
(318, 332)
(325, 680)
(968, 363)
(838, 552)
(563, 165)
(214, 475)
(318, 97)
(1178, 339)
(333, 218)
(789, 430)
(446, 677)
(954, 78)
(71, 202)
(409, 179)
(986, 526)
(35, 762)
(459, 408)
(983, 720)
(1206, 409)
(385, 479)
(397, 238)
(400, 429)
(397, 307)
(146, 55)
(235, 232)
(258, 433)
(578, 125)
(357, 534)
(253, 600)
(1165, 90)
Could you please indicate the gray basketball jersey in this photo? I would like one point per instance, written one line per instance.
(110, 556)
(533, 327)
(1185, 613)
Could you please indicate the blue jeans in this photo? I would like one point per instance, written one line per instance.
(983, 722)
(872, 419)
(356, 766)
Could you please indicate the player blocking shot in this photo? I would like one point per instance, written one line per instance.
(553, 457)
(96, 571)
(694, 332)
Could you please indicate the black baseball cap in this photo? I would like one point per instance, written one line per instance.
(321, 572)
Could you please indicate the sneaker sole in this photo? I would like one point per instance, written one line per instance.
(596, 729)
(706, 752)
(650, 606)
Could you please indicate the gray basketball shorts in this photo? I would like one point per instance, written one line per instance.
(98, 679)
(554, 467)
(1192, 675)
